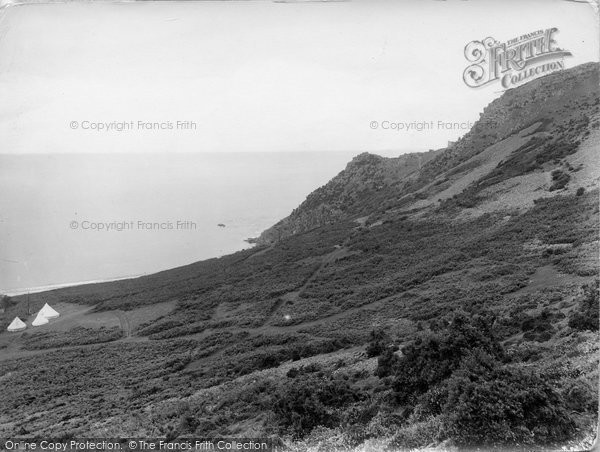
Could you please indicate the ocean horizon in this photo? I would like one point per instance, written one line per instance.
(71, 219)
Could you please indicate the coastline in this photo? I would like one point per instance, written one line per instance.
(49, 287)
(246, 244)
(83, 256)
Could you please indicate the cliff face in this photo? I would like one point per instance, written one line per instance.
(545, 99)
(526, 127)
(350, 193)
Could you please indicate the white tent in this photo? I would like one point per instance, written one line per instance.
(48, 312)
(16, 325)
(39, 320)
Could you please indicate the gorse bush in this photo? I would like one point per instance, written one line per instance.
(312, 400)
(77, 336)
(434, 356)
(378, 342)
(493, 404)
(459, 376)
(539, 328)
(586, 315)
(560, 179)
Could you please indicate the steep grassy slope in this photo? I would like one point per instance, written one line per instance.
(481, 267)
(562, 100)
(525, 131)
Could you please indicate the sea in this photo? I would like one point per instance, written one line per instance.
(68, 219)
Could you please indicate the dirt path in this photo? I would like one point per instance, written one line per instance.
(13, 351)
(330, 258)
(125, 324)
(260, 252)
(325, 319)
(272, 330)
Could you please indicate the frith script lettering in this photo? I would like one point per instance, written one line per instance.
(513, 62)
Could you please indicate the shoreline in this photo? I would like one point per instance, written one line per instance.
(248, 244)
(49, 287)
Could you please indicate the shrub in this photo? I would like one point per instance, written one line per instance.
(303, 370)
(458, 375)
(378, 342)
(503, 406)
(418, 434)
(581, 396)
(580, 191)
(434, 356)
(312, 401)
(560, 179)
(538, 328)
(386, 363)
(586, 315)
(76, 336)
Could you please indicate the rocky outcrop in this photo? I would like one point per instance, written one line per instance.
(545, 99)
(560, 106)
(349, 193)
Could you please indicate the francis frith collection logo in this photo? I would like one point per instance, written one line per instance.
(515, 61)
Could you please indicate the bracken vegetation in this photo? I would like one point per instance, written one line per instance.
(406, 325)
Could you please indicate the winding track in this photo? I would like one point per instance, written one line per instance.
(125, 324)
(14, 352)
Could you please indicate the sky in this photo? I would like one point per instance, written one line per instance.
(256, 75)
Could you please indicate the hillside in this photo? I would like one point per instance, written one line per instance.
(373, 184)
(349, 193)
(446, 298)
